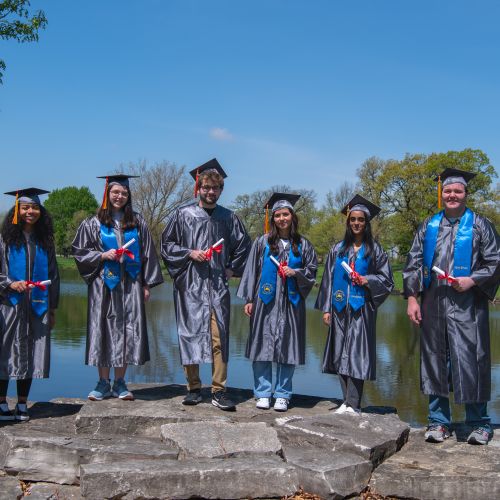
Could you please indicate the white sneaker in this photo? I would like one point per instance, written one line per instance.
(350, 409)
(281, 404)
(341, 409)
(263, 403)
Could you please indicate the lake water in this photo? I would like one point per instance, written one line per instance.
(397, 381)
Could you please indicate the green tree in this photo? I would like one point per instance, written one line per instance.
(66, 206)
(16, 22)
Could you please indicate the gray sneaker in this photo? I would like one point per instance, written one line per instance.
(436, 433)
(480, 435)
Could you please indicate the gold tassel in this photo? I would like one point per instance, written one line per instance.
(439, 193)
(266, 221)
(16, 210)
(105, 197)
(196, 183)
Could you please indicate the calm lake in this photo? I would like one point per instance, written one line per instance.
(397, 381)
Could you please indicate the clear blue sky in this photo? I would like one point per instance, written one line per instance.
(280, 91)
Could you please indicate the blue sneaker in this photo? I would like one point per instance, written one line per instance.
(121, 391)
(102, 390)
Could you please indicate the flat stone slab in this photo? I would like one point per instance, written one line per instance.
(449, 470)
(33, 455)
(50, 491)
(221, 439)
(374, 437)
(256, 477)
(10, 488)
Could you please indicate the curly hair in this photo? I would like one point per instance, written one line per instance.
(105, 215)
(211, 175)
(12, 234)
(274, 237)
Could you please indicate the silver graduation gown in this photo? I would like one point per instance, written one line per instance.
(202, 287)
(277, 329)
(351, 345)
(458, 320)
(116, 319)
(25, 337)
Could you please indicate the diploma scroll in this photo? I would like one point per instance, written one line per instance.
(442, 275)
(123, 250)
(216, 247)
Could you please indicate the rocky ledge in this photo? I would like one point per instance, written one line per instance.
(154, 447)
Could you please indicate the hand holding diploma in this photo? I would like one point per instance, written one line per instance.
(38, 284)
(283, 270)
(123, 250)
(216, 247)
(356, 278)
(443, 275)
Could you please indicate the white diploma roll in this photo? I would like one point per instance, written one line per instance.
(346, 267)
(274, 260)
(440, 272)
(128, 243)
(46, 283)
(218, 243)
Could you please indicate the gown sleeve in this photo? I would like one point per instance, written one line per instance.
(413, 273)
(87, 250)
(54, 278)
(239, 247)
(150, 265)
(5, 281)
(306, 275)
(174, 255)
(251, 274)
(324, 299)
(381, 281)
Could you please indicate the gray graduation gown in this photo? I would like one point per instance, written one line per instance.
(202, 287)
(278, 329)
(351, 345)
(25, 337)
(116, 319)
(454, 320)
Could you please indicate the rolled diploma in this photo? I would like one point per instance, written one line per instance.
(274, 260)
(346, 267)
(440, 272)
(128, 243)
(46, 283)
(218, 243)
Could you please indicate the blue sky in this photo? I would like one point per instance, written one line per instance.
(296, 92)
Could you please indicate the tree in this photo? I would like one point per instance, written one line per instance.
(157, 191)
(250, 208)
(63, 204)
(16, 22)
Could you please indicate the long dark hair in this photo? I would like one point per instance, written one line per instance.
(349, 239)
(105, 215)
(274, 237)
(12, 234)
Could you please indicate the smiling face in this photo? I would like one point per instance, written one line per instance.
(29, 214)
(283, 220)
(118, 196)
(454, 199)
(357, 222)
(209, 193)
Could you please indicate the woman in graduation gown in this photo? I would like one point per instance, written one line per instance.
(119, 281)
(275, 301)
(27, 307)
(350, 301)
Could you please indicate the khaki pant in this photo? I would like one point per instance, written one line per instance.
(219, 368)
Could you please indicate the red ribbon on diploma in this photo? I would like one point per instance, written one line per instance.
(447, 277)
(355, 276)
(211, 250)
(126, 251)
(38, 284)
(281, 270)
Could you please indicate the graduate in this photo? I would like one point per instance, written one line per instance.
(203, 245)
(349, 301)
(279, 275)
(452, 270)
(116, 256)
(29, 295)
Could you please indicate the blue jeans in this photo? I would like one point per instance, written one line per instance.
(263, 379)
(476, 414)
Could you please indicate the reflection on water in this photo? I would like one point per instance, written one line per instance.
(397, 381)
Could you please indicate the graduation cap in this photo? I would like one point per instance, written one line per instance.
(212, 164)
(358, 202)
(452, 176)
(27, 195)
(278, 201)
(121, 179)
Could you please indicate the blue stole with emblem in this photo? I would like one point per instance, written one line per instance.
(17, 272)
(112, 273)
(342, 282)
(462, 256)
(269, 276)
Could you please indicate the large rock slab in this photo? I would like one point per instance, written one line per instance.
(449, 470)
(48, 491)
(374, 437)
(221, 439)
(10, 488)
(256, 477)
(33, 455)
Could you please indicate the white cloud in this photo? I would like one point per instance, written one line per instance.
(221, 134)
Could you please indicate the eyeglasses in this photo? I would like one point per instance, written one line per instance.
(118, 194)
(210, 188)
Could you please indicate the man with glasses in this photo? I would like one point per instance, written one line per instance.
(203, 245)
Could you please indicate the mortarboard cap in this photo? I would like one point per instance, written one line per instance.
(358, 202)
(27, 195)
(121, 179)
(452, 175)
(212, 164)
(281, 200)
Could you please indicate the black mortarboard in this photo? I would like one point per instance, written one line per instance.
(281, 200)
(360, 203)
(212, 164)
(121, 179)
(27, 195)
(453, 175)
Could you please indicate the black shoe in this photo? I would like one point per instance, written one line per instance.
(7, 414)
(22, 415)
(192, 398)
(221, 400)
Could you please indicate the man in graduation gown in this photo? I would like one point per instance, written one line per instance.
(453, 266)
(200, 270)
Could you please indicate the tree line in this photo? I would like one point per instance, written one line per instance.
(404, 189)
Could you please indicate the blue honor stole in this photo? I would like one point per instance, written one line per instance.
(17, 272)
(342, 285)
(462, 256)
(269, 276)
(112, 268)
